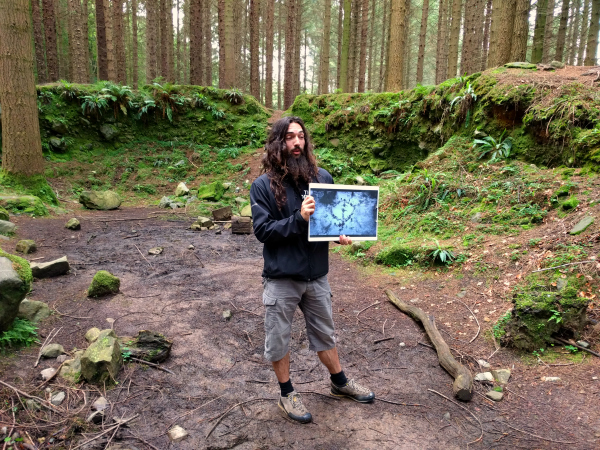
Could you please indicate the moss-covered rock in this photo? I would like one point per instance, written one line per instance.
(103, 201)
(102, 360)
(26, 246)
(570, 204)
(212, 192)
(15, 284)
(4, 214)
(24, 204)
(147, 345)
(73, 224)
(33, 310)
(104, 283)
(71, 368)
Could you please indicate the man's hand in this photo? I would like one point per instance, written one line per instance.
(308, 208)
(345, 240)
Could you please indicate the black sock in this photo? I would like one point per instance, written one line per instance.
(286, 388)
(339, 379)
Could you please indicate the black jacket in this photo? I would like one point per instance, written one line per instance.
(287, 252)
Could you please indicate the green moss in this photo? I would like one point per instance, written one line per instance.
(104, 283)
(570, 204)
(4, 214)
(22, 268)
(35, 185)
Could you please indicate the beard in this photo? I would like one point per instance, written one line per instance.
(299, 169)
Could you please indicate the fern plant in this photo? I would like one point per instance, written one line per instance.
(93, 105)
(466, 100)
(499, 149)
(442, 255)
(120, 96)
(22, 334)
(234, 96)
(167, 100)
(69, 91)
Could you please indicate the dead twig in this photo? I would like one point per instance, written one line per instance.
(222, 416)
(250, 340)
(563, 265)
(467, 410)
(401, 403)
(67, 315)
(49, 337)
(535, 435)
(138, 249)
(108, 430)
(42, 402)
(475, 317)
(364, 309)
(383, 340)
(575, 344)
(141, 440)
(156, 366)
(13, 424)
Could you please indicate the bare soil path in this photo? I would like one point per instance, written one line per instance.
(183, 292)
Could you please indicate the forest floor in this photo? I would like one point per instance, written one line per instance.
(217, 364)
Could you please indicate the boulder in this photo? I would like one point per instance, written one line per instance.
(92, 334)
(102, 360)
(104, 283)
(521, 65)
(71, 368)
(57, 144)
(222, 214)
(109, 132)
(33, 310)
(4, 214)
(582, 225)
(15, 283)
(181, 190)
(484, 376)
(26, 246)
(73, 224)
(54, 268)
(241, 202)
(246, 211)
(26, 204)
(105, 200)
(204, 222)
(558, 64)
(59, 127)
(7, 227)
(48, 373)
(377, 165)
(501, 375)
(212, 192)
(52, 351)
(147, 345)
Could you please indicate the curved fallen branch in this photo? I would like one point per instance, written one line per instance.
(463, 380)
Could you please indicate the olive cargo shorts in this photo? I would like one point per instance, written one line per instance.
(281, 297)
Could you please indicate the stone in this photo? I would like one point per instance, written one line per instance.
(222, 214)
(155, 250)
(246, 211)
(334, 142)
(7, 227)
(49, 269)
(227, 314)
(360, 180)
(102, 360)
(109, 132)
(494, 395)
(148, 346)
(26, 246)
(501, 375)
(241, 225)
(100, 404)
(26, 204)
(52, 350)
(240, 202)
(165, 202)
(103, 283)
(583, 344)
(61, 359)
(15, 283)
(551, 379)
(446, 416)
(483, 363)
(71, 368)
(558, 64)
(461, 294)
(32, 405)
(204, 221)
(4, 215)
(521, 65)
(212, 192)
(33, 310)
(377, 165)
(59, 127)
(177, 434)
(484, 376)
(58, 398)
(402, 344)
(96, 417)
(57, 144)
(92, 334)
(227, 185)
(73, 224)
(582, 225)
(48, 373)
(181, 190)
(476, 218)
(104, 201)
(356, 246)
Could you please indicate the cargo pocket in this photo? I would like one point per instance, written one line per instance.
(268, 300)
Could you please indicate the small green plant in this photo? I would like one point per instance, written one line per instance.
(534, 242)
(126, 353)
(498, 389)
(93, 105)
(22, 334)
(556, 316)
(465, 101)
(234, 96)
(538, 353)
(119, 95)
(571, 348)
(229, 152)
(146, 107)
(442, 255)
(498, 329)
(499, 149)
(69, 91)
(200, 101)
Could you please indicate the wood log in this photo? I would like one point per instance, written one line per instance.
(241, 225)
(463, 380)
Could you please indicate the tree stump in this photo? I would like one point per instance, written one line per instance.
(241, 225)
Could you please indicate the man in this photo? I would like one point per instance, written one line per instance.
(295, 270)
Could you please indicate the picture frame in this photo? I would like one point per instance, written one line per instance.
(343, 210)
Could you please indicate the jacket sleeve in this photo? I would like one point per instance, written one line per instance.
(266, 228)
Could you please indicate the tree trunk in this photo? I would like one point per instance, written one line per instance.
(362, 68)
(574, 32)
(486, 35)
(371, 47)
(562, 31)
(422, 36)
(51, 44)
(196, 49)
(279, 34)
(297, 45)
(270, 37)
(288, 76)
(21, 141)
(454, 35)
(324, 60)
(504, 30)
(548, 32)
(85, 14)
(170, 42)
(134, 43)
(592, 38)
(584, 32)
(38, 37)
(304, 88)
(408, 46)
(110, 43)
(353, 55)
(254, 49)
(345, 46)
(538, 34)
(339, 43)
(151, 40)
(120, 63)
(518, 50)
(163, 39)
(76, 45)
(441, 54)
(466, 61)
(395, 67)
(384, 41)
(226, 45)
(207, 15)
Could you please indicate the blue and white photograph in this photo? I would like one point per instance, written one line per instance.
(343, 210)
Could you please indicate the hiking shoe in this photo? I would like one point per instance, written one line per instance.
(354, 391)
(292, 405)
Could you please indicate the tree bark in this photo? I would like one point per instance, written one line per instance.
(151, 40)
(371, 47)
(110, 43)
(538, 34)
(505, 32)
(134, 43)
(463, 380)
(486, 35)
(518, 50)
(119, 35)
(362, 68)
(196, 49)
(38, 37)
(422, 37)
(324, 60)
(270, 37)
(297, 46)
(207, 15)
(226, 45)
(79, 72)
(467, 53)
(340, 30)
(21, 141)
(345, 55)
(384, 41)
(562, 31)
(288, 67)
(454, 35)
(584, 32)
(51, 44)
(574, 32)
(441, 55)
(254, 49)
(592, 38)
(353, 53)
(279, 34)
(395, 67)
(548, 32)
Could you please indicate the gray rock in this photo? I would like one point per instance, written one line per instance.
(446, 416)
(551, 379)
(71, 368)
(32, 405)
(109, 132)
(73, 224)
(360, 180)
(57, 144)
(103, 201)
(495, 395)
(7, 227)
(92, 334)
(227, 185)
(484, 376)
(461, 294)
(33, 310)
(483, 363)
(558, 64)
(58, 398)
(241, 202)
(521, 65)
(48, 373)
(59, 127)
(501, 375)
(100, 404)
(227, 314)
(26, 246)
(356, 246)
(52, 350)
(582, 225)
(246, 211)
(476, 218)
(181, 190)
(177, 434)
(165, 202)
(402, 344)
(204, 222)
(61, 359)
(12, 290)
(155, 250)
(222, 214)
(54, 268)
(102, 360)
(583, 344)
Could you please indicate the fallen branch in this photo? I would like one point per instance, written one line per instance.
(108, 430)
(575, 344)
(467, 410)
(222, 416)
(156, 366)
(382, 340)
(141, 440)
(49, 337)
(475, 317)
(535, 435)
(42, 402)
(463, 380)
(138, 249)
(563, 265)
(67, 315)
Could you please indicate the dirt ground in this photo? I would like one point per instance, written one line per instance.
(182, 293)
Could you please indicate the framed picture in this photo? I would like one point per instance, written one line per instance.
(343, 210)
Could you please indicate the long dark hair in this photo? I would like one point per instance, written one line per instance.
(277, 161)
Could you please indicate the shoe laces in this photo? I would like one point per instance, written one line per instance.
(357, 387)
(296, 400)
